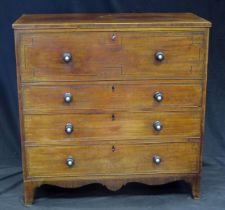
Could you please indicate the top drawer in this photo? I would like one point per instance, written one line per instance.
(75, 56)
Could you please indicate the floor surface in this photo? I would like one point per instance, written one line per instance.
(174, 196)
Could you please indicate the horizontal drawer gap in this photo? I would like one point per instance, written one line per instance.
(97, 175)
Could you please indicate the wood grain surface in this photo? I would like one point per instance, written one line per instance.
(110, 96)
(102, 160)
(95, 56)
(106, 20)
(44, 128)
(113, 76)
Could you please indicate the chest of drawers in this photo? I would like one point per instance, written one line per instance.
(111, 98)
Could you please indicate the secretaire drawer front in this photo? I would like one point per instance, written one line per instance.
(111, 96)
(112, 159)
(116, 126)
(111, 55)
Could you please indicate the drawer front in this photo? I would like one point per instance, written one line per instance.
(108, 55)
(116, 126)
(131, 96)
(112, 159)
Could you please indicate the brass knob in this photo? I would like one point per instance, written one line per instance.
(68, 97)
(69, 128)
(158, 96)
(159, 56)
(70, 161)
(157, 125)
(156, 159)
(67, 57)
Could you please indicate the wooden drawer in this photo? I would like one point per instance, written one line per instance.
(97, 56)
(112, 159)
(110, 96)
(123, 125)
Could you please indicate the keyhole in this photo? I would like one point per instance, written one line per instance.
(113, 148)
(113, 117)
(113, 37)
(113, 88)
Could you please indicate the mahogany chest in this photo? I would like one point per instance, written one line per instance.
(111, 98)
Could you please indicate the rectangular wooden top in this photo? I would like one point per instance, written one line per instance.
(110, 20)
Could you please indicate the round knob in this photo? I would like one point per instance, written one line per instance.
(70, 161)
(69, 128)
(157, 126)
(158, 96)
(159, 56)
(68, 97)
(157, 159)
(67, 57)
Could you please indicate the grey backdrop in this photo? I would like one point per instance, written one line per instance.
(213, 10)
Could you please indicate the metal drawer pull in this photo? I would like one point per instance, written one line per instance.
(159, 56)
(69, 128)
(67, 57)
(156, 159)
(158, 96)
(70, 161)
(157, 125)
(68, 97)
